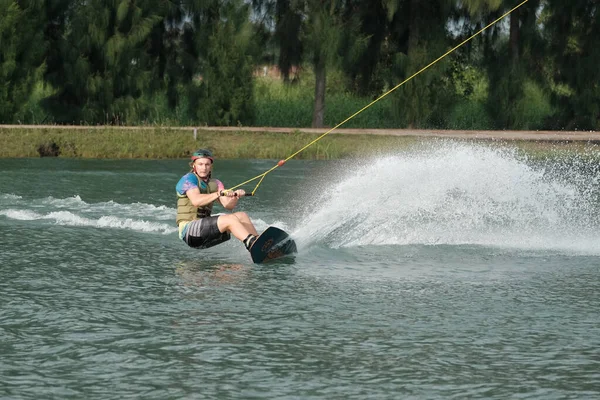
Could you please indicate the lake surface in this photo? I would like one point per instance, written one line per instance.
(450, 271)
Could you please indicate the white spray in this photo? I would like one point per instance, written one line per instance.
(456, 193)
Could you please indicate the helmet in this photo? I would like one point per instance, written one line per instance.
(203, 153)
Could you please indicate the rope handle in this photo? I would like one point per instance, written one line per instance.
(222, 193)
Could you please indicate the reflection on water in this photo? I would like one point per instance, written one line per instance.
(194, 274)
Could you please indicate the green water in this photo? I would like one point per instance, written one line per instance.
(420, 275)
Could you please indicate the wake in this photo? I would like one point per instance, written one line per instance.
(73, 211)
(457, 193)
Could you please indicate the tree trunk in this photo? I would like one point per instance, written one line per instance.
(514, 37)
(413, 45)
(319, 108)
(413, 27)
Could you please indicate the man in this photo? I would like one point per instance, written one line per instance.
(196, 194)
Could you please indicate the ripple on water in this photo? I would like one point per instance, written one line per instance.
(106, 312)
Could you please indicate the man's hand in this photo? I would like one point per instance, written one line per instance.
(231, 193)
(229, 198)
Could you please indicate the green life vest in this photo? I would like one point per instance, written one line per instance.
(186, 211)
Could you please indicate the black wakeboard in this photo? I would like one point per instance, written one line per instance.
(271, 244)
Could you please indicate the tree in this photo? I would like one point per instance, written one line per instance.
(20, 62)
(100, 65)
(164, 52)
(217, 61)
(307, 30)
(288, 28)
(574, 34)
(417, 36)
(363, 48)
(322, 36)
(515, 63)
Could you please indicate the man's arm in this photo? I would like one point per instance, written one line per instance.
(198, 199)
(230, 200)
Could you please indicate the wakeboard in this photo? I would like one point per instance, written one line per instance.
(271, 244)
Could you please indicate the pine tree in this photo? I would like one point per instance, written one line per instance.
(574, 35)
(323, 32)
(20, 62)
(307, 31)
(514, 61)
(101, 67)
(217, 63)
(363, 46)
(417, 36)
(288, 35)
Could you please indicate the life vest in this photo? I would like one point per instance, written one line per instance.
(186, 211)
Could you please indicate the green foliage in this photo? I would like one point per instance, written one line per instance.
(475, 7)
(322, 31)
(278, 104)
(506, 92)
(32, 111)
(470, 115)
(102, 65)
(363, 47)
(420, 102)
(471, 91)
(222, 92)
(191, 63)
(517, 102)
(20, 62)
(534, 107)
(574, 35)
(288, 18)
(470, 82)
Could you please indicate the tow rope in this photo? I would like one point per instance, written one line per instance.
(282, 162)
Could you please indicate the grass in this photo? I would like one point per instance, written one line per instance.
(283, 105)
(163, 142)
(560, 149)
(160, 142)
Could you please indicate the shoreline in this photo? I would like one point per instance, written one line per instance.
(160, 142)
(559, 136)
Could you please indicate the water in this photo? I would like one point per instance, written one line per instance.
(449, 271)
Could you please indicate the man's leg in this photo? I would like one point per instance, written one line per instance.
(204, 233)
(232, 224)
(245, 220)
(245, 232)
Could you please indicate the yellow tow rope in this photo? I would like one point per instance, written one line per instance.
(281, 162)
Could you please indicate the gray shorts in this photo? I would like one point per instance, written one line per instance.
(204, 233)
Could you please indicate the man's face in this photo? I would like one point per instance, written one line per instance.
(202, 166)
